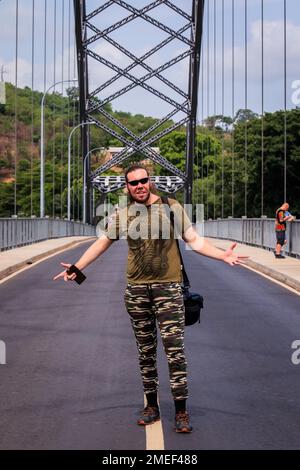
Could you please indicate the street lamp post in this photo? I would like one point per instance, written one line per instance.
(42, 172)
(69, 165)
(84, 180)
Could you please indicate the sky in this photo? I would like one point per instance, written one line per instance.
(139, 36)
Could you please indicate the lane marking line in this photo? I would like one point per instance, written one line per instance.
(294, 291)
(154, 433)
(291, 289)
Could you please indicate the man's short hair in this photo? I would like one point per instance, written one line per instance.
(135, 166)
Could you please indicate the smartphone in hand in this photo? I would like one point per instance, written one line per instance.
(80, 277)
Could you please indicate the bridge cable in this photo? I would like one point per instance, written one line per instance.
(32, 104)
(54, 112)
(202, 115)
(69, 85)
(45, 75)
(196, 173)
(233, 108)
(74, 118)
(45, 44)
(262, 107)
(223, 96)
(208, 91)
(62, 106)
(79, 166)
(215, 104)
(16, 103)
(246, 106)
(285, 105)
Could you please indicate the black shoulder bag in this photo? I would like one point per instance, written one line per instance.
(193, 302)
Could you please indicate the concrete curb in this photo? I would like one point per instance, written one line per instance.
(16, 267)
(289, 281)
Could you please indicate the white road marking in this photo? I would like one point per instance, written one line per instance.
(154, 434)
(272, 279)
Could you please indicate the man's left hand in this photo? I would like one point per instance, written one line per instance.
(231, 258)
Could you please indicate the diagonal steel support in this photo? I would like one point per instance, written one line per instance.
(136, 62)
(121, 23)
(92, 109)
(156, 23)
(139, 81)
(141, 59)
(151, 129)
(99, 10)
(133, 148)
(137, 142)
(182, 13)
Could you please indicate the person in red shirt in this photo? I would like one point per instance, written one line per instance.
(282, 216)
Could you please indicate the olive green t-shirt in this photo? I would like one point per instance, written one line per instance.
(153, 254)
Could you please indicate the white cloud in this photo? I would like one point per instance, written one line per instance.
(273, 52)
(24, 72)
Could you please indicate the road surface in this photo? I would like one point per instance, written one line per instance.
(71, 380)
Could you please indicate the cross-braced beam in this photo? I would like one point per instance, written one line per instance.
(94, 109)
(168, 184)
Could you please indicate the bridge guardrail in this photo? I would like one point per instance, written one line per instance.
(24, 231)
(256, 232)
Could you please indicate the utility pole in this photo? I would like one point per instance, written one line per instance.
(3, 71)
(2, 86)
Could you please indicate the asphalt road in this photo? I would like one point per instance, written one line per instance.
(71, 380)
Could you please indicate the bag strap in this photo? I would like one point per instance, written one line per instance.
(186, 282)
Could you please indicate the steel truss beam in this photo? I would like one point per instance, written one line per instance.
(168, 184)
(122, 22)
(140, 61)
(93, 109)
(138, 81)
(151, 20)
(133, 148)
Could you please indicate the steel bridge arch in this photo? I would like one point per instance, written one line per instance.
(89, 106)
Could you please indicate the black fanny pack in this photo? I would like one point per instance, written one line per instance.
(193, 302)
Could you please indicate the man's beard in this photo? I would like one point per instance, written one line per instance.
(134, 198)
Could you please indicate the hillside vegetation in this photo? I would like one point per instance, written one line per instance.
(221, 153)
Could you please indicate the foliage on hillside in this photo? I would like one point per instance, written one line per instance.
(61, 115)
(221, 149)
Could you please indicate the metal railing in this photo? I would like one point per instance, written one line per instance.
(256, 232)
(23, 231)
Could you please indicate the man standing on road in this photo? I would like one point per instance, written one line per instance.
(153, 294)
(282, 216)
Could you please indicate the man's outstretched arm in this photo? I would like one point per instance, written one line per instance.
(203, 247)
(92, 253)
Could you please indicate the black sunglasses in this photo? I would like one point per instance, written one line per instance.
(136, 182)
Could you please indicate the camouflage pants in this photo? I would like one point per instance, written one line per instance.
(163, 302)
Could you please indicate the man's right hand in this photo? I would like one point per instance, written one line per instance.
(64, 274)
